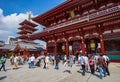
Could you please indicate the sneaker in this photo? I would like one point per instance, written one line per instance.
(108, 74)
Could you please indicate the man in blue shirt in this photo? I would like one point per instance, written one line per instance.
(3, 60)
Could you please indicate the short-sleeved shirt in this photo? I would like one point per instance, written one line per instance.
(16, 59)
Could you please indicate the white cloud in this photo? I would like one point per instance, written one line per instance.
(4, 34)
(9, 24)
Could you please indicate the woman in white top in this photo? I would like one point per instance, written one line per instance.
(32, 59)
(15, 62)
(47, 61)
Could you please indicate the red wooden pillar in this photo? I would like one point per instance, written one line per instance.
(102, 44)
(46, 48)
(83, 45)
(67, 48)
(26, 53)
(101, 40)
(81, 32)
(55, 50)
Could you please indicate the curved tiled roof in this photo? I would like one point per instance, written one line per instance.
(8, 47)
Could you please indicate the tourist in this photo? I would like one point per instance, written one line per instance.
(57, 60)
(102, 65)
(53, 58)
(91, 64)
(32, 58)
(3, 61)
(38, 63)
(70, 63)
(79, 57)
(86, 62)
(15, 62)
(82, 63)
(74, 58)
(96, 61)
(70, 60)
(29, 62)
(12, 59)
(44, 67)
(20, 61)
(47, 61)
(64, 58)
(107, 60)
(67, 64)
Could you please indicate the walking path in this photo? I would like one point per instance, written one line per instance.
(38, 74)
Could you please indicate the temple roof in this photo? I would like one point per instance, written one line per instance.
(8, 47)
(23, 36)
(27, 27)
(25, 32)
(22, 46)
(28, 46)
(28, 23)
(29, 41)
(66, 6)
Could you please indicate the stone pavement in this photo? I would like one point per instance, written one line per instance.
(38, 74)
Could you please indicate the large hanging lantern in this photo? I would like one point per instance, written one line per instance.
(92, 45)
(63, 47)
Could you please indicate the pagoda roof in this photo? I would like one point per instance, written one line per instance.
(23, 36)
(25, 31)
(28, 27)
(28, 23)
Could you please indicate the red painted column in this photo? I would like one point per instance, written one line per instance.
(55, 50)
(83, 40)
(46, 48)
(26, 53)
(83, 45)
(102, 44)
(101, 39)
(67, 49)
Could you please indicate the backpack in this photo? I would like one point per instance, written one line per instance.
(3, 60)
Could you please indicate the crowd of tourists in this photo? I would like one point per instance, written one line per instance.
(88, 62)
(98, 63)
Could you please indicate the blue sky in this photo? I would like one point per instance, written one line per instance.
(12, 12)
(23, 6)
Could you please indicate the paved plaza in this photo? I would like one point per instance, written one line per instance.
(38, 74)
